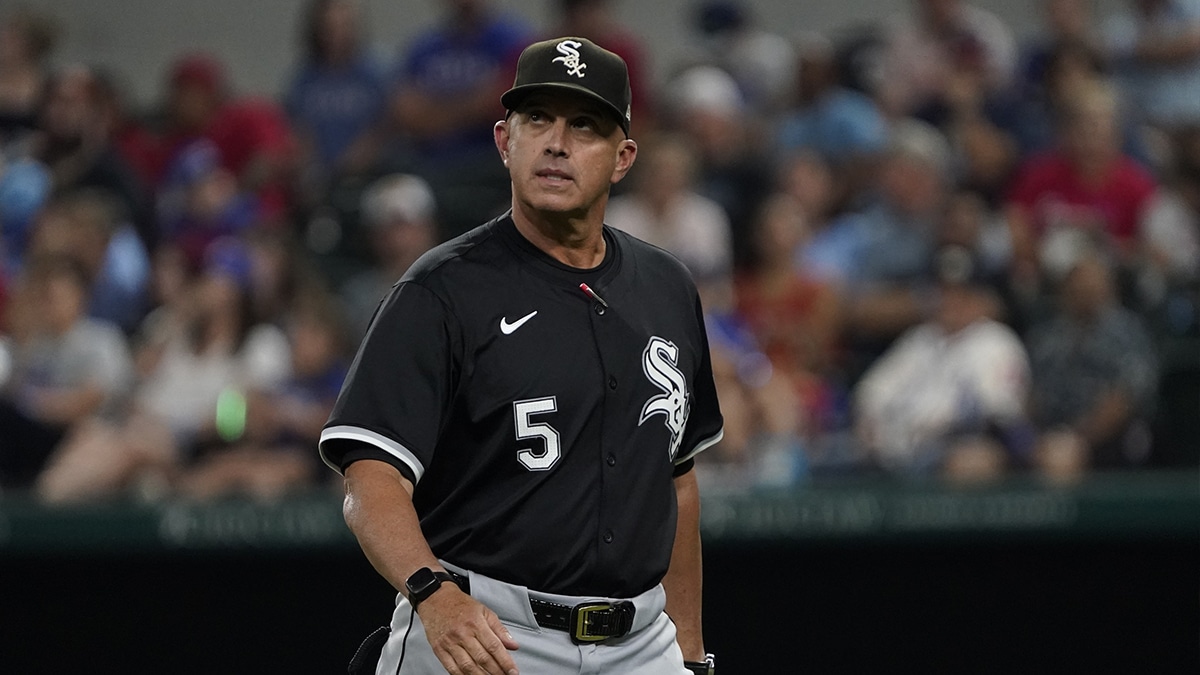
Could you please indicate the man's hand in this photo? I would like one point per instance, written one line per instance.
(467, 637)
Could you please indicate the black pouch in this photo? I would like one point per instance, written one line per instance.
(368, 652)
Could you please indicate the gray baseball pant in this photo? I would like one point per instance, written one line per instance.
(648, 649)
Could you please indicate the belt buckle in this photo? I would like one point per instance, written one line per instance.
(583, 617)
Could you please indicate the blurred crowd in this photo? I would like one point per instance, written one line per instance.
(928, 247)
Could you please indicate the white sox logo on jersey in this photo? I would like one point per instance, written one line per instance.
(570, 57)
(660, 363)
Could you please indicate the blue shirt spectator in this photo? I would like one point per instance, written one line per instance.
(334, 105)
(451, 79)
(839, 124)
(338, 94)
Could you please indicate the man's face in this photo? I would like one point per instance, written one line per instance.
(563, 153)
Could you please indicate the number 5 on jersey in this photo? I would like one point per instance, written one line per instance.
(526, 429)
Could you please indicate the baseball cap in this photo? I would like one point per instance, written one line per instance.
(574, 64)
(398, 197)
(200, 69)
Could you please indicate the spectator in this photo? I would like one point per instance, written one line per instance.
(665, 210)
(1095, 376)
(193, 356)
(75, 142)
(1156, 48)
(27, 39)
(888, 292)
(1034, 119)
(279, 426)
(280, 273)
(135, 140)
(923, 52)
(968, 222)
(250, 134)
(762, 62)
(764, 427)
(338, 98)
(400, 213)
(66, 368)
(85, 226)
(829, 250)
(201, 201)
(842, 125)
(1063, 22)
(445, 99)
(451, 78)
(1085, 188)
(1172, 232)
(594, 20)
(705, 104)
(949, 396)
(794, 317)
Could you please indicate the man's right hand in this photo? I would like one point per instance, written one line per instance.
(466, 636)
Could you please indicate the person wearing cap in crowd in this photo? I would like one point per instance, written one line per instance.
(517, 431)
(251, 134)
(399, 211)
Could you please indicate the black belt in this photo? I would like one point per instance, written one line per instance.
(587, 622)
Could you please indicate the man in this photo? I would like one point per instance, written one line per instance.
(948, 397)
(517, 430)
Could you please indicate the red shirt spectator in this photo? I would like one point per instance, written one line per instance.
(1053, 193)
(251, 134)
(1086, 186)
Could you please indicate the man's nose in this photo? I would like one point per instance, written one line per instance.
(556, 139)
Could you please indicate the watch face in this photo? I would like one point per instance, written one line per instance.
(421, 583)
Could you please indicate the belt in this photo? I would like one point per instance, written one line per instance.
(586, 623)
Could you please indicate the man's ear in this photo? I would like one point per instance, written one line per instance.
(500, 135)
(626, 154)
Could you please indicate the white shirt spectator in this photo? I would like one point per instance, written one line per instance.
(929, 385)
(694, 229)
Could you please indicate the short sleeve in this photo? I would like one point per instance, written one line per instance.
(398, 390)
(705, 426)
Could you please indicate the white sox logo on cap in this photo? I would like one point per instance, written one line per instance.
(570, 57)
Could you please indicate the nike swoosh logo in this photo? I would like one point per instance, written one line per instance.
(508, 328)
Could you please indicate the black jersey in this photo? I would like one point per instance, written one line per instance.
(541, 425)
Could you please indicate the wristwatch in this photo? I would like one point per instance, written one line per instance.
(706, 667)
(423, 583)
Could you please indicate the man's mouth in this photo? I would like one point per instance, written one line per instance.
(554, 175)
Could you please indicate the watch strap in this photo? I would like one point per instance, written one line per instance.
(705, 667)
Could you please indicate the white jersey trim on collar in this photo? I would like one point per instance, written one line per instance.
(350, 433)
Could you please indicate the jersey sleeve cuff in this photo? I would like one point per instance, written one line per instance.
(701, 447)
(331, 437)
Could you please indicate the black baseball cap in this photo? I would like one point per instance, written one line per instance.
(575, 64)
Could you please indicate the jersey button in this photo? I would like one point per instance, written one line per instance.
(611, 459)
(612, 382)
(599, 309)
(608, 537)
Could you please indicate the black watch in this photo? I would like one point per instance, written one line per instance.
(423, 583)
(706, 667)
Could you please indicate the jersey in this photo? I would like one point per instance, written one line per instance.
(541, 427)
